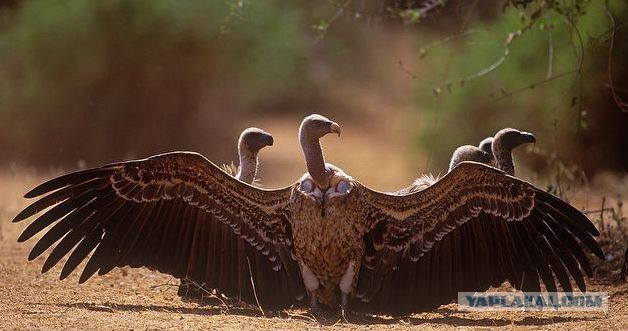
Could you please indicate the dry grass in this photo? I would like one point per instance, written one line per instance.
(133, 299)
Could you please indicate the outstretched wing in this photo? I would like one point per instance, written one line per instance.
(169, 212)
(474, 228)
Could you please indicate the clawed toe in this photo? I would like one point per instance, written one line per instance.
(344, 301)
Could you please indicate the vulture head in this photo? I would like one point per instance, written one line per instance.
(486, 145)
(250, 142)
(322, 179)
(504, 142)
(507, 139)
(315, 127)
(253, 139)
(468, 153)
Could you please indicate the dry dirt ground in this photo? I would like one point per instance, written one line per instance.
(142, 299)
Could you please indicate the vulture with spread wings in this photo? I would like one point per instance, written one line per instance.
(328, 234)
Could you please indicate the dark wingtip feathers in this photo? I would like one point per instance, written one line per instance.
(65, 180)
(23, 237)
(577, 216)
(24, 214)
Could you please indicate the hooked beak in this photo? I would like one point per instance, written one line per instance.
(335, 128)
(268, 139)
(528, 137)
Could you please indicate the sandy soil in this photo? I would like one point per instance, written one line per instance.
(142, 299)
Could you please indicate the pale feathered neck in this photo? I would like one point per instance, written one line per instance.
(248, 164)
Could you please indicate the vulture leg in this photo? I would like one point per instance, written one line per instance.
(311, 284)
(346, 284)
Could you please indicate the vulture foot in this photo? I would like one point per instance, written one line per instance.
(346, 284)
(314, 302)
(311, 284)
(344, 301)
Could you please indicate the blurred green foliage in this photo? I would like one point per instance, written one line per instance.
(104, 80)
(535, 70)
(106, 67)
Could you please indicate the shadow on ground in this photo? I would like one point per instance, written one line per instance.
(445, 316)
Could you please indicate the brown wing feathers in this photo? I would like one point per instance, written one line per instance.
(480, 241)
(162, 213)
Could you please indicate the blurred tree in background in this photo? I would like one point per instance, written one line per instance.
(105, 68)
(538, 65)
(105, 80)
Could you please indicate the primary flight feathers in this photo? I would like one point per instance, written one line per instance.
(250, 142)
(327, 236)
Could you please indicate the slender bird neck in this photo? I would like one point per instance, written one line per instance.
(314, 160)
(503, 158)
(248, 165)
